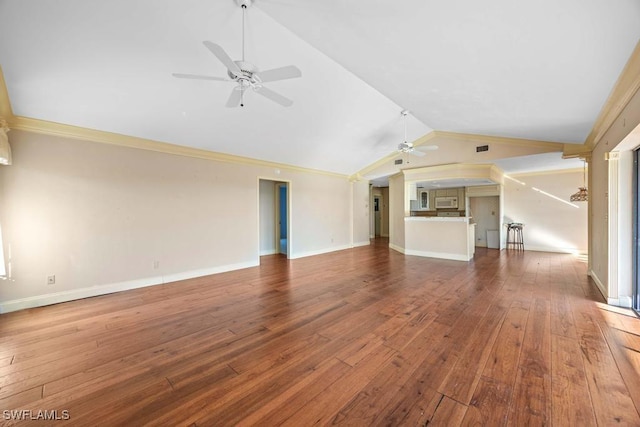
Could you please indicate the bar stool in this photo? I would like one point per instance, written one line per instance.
(514, 235)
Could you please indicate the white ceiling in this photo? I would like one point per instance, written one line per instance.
(540, 70)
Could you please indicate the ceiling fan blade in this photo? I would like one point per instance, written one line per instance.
(275, 97)
(417, 153)
(222, 56)
(198, 77)
(427, 148)
(234, 98)
(282, 73)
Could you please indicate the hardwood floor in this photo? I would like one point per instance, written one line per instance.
(358, 337)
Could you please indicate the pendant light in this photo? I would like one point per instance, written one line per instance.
(582, 195)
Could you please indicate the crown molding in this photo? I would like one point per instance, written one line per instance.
(74, 132)
(625, 88)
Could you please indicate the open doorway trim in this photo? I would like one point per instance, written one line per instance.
(276, 181)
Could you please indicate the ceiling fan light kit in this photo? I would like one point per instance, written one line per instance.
(245, 74)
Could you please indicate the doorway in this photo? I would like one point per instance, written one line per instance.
(485, 212)
(282, 218)
(274, 217)
(379, 212)
(377, 216)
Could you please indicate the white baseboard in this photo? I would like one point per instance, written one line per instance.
(626, 302)
(93, 291)
(396, 248)
(365, 243)
(440, 255)
(320, 251)
(168, 278)
(553, 249)
(384, 235)
(455, 257)
(599, 284)
(620, 302)
(268, 252)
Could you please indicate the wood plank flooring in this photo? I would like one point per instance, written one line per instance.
(359, 337)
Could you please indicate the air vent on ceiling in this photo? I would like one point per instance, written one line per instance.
(481, 148)
(398, 162)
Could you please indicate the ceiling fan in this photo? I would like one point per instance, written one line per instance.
(245, 74)
(407, 147)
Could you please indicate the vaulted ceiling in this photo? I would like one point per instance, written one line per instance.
(538, 71)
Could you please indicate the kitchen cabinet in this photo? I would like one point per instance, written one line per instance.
(423, 199)
(448, 192)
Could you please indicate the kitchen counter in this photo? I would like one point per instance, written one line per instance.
(440, 237)
(439, 218)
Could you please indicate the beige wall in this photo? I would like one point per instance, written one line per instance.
(396, 212)
(267, 217)
(551, 225)
(320, 214)
(384, 226)
(609, 254)
(598, 183)
(99, 216)
(360, 213)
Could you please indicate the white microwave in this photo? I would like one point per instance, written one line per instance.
(446, 202)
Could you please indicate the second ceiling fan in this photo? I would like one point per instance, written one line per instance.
(245, 74)
(407, 147)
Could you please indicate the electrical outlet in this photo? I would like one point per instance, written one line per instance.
(51, 280)
(156, 265)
